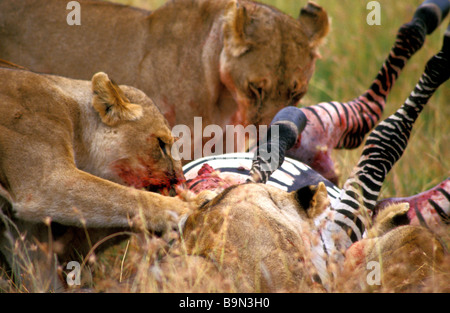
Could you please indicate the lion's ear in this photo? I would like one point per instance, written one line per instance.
(313, 199)
(110, 101)
(389, 218)
(234, 29)
(314, 20)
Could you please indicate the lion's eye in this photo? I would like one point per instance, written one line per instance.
(295, 97)
(256, 90)
(162, 145)
(297, 92)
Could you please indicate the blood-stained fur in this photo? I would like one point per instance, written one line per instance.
(70, 151)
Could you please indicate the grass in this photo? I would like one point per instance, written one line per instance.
(351, 58)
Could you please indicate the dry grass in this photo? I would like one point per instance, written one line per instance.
(149, 264)
(350, 60)
(145, 263)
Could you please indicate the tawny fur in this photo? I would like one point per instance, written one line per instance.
(192, 58)
(258, 238)
(62, 167)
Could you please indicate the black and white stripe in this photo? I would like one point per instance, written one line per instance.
(384, 147)
(351, 212)
(387, 142)
(290, 176)
(281, 136)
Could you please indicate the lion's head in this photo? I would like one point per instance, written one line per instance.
(268, 57)
(132, 142)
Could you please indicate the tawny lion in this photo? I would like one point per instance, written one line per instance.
(70, 151)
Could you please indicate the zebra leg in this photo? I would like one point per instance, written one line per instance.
(365, 111)
(387, 142)
(345, 223)
(282, 134)
(343, 125)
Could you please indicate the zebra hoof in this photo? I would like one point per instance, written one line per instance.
(432, 13)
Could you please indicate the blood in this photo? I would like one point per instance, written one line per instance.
(356, 254)
(421, 203)
(207, 179)
(240, 116)
(323, 164)
(147, 176)
(298, 142)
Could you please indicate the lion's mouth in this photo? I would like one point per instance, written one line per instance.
(166, 188)
(148, 178)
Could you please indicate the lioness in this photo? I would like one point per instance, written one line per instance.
(67, 148)
(228, 61)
